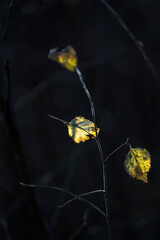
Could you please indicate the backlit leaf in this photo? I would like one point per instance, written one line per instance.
(81, 129)
(67, 57)
(138, 163)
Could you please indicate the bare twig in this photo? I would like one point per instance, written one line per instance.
(90, 193)
(48, 187)
(68, 202)
(80, 196)
(109, 155)
(92, 205)
(65, 122)
(75, 197)
(133, 38)
(89, 97)
(33, 93)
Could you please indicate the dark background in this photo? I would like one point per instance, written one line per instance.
(127, 102)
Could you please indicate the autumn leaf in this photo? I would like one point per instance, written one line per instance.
(81, 129)
(67, 57)
(138, 163)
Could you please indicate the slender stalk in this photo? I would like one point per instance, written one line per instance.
(89, 97)
(138, 44)
(105, 194)
(105, 191)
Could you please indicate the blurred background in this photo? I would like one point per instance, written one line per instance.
(39, 150)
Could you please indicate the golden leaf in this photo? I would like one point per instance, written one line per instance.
(81, 129)
(67, 57)
(138, 163)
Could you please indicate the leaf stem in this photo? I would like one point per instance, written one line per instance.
(65, 122)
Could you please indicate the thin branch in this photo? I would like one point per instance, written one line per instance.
(109, 155)
(134, 40)
(105, 193)
(106, 198)
(65, 122)
(68, 202)
(85, 201)
(33, 93)
(89, 193)
(92, 205)
(75, 197)
(48, 187)
(89, 97)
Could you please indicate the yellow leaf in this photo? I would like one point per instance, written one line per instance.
(67, 57)
(138, 163)
(81, 129)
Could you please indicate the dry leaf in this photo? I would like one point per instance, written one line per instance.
(81, 129)
(138, 163)
(67, 57)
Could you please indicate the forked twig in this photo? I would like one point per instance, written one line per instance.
(74, 196)
(104, 190)
(48, 187)
(133, 38)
